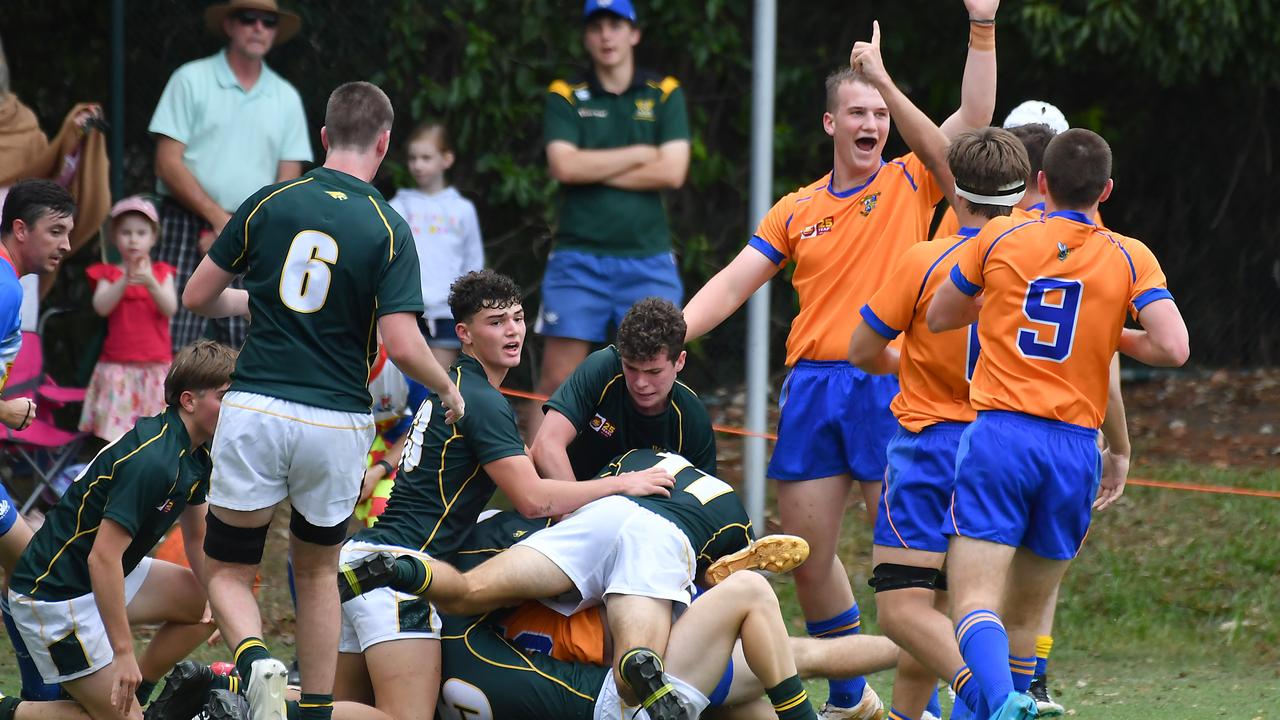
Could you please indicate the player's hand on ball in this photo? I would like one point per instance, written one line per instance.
(455, 408)
(865, 58)
(1115, 470)
(650, 481)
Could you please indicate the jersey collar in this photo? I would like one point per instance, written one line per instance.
(853, 190)
(968, 232)
(1073, 215)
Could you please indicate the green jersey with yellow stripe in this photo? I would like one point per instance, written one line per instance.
(323, 256)
(704, 507)
(143, 482)
(442, 485)
(595, 217)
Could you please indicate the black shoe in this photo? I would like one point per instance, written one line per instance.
(186, 688)
(225, 705)
(641, 668)
(368, 573)
(1045, 704)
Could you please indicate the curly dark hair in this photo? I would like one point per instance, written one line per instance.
(651, 327)
(481, 290)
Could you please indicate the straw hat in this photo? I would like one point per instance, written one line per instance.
(289, 22)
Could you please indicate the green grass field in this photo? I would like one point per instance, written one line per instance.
(1170, 612)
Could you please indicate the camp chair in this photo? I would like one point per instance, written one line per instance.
(43, 446)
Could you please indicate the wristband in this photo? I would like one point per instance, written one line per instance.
(387, 468)
(982, 35)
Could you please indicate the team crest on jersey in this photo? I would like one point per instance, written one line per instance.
(582, 94)
(603, 426)
(165, 506)
(821, 227)
(518, 534)
(869, 204)
(644, 109)
(1063, 252)
(336, 194)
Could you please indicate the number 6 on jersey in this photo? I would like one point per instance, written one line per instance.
(304, 282)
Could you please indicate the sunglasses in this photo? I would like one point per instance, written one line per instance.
(249, 17)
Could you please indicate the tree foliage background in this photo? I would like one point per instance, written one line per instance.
(1183, 89)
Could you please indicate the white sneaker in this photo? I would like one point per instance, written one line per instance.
(267, 680)
(869, 708)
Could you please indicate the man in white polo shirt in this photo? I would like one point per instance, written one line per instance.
(225, 126)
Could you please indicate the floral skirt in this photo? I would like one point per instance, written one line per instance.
(119, 394)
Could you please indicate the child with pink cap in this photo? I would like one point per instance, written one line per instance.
(137, 297)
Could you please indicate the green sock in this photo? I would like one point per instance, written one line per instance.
(8, 706)
(790, 701)
(225, 682)
(291, 711)
(314, 706)
(412, 575)
(249, 651)
(145, 688)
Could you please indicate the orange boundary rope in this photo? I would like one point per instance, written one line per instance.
(1186, 487)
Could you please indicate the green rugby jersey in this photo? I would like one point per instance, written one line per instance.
(703, 506)
(323, 257)
(143, 481)
(483, 671)
(595, 399)
(442, 485)
(597, 218)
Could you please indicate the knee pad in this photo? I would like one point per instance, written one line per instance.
(231, 544)
(314, 534)
(891, 576)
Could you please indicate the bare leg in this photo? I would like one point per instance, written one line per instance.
(171, 595)
(93, 692)
(351, 681)
(230, 585)
(634, 622)
(814, 509)
(559, 358)
(315, 575)
(518, 574)
(53, 710)
(406, 677)
(843, 657)
(1037, 581)
(871, 499)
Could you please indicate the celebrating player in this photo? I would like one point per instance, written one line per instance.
(844, 232)
(1028, 468)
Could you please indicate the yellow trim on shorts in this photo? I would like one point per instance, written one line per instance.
(298, 419)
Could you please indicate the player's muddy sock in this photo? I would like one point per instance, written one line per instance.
(144, 691)
(314, 706)
(935, 706)
(847, 692)
(790, 701)
(249, 651)
(984, 644)
(1023, 669)
(1044, 645)
(412, 575)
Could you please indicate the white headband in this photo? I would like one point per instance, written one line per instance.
(1006, 195)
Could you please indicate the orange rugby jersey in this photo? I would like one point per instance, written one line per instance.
(843, 246)
(1056, 293)
(950, 224)
(934, 368)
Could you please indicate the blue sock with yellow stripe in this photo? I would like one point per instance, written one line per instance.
(935, 705)
(895, 714)
(249, 651)
(315, 706)
(790, 701)
(847, 692)
(968, 694)
(1023, 669)
(984, 644)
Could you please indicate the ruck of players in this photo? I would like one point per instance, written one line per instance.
(455, 553)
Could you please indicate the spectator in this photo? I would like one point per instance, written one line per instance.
(137, 297)
(615, 137)
(225, 126)
(445, 229)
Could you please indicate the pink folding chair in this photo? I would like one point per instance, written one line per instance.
(43, 446)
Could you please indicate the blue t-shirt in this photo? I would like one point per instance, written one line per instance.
(10, 316)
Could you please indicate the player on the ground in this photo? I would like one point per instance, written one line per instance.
(987, 169)
(85, 578)
(327, 266)
(844, 232)
(1028, 469)
(637, 555)
(390, 641)
(625, 397)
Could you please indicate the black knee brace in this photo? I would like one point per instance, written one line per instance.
(314, 534)
(232, 544)
(891, 576)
